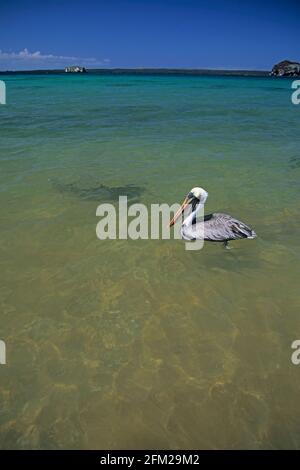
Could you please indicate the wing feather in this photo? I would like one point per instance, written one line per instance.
(220, 227)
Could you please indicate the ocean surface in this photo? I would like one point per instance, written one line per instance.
(125, 344)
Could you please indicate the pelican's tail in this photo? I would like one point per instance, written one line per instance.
(241, 230)
(252, 235)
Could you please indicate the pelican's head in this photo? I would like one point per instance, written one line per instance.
(195, 196)
(197, 193)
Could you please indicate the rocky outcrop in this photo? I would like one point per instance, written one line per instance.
(75, 69)
(286, 68)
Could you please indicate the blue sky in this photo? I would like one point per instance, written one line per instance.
(227, 34)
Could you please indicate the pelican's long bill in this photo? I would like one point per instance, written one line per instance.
(180, 210)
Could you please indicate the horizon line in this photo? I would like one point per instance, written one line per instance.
(111, 69)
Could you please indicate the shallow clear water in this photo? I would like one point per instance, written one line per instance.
(142, 344)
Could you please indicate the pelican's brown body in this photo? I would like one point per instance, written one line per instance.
(215, 227)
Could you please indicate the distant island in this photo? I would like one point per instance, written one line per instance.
(286, 68)
(75, 69)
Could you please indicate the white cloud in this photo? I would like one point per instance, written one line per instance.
(26, 59)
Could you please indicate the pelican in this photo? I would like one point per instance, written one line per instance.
(217, 227)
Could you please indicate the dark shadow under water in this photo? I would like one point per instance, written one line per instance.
(98, 191)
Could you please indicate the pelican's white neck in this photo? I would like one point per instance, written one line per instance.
(189, 220)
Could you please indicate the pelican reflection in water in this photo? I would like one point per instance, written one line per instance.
(217, 227)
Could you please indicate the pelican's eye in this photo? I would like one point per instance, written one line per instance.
(191, 196)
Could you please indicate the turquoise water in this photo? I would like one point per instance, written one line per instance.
(142, 344)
